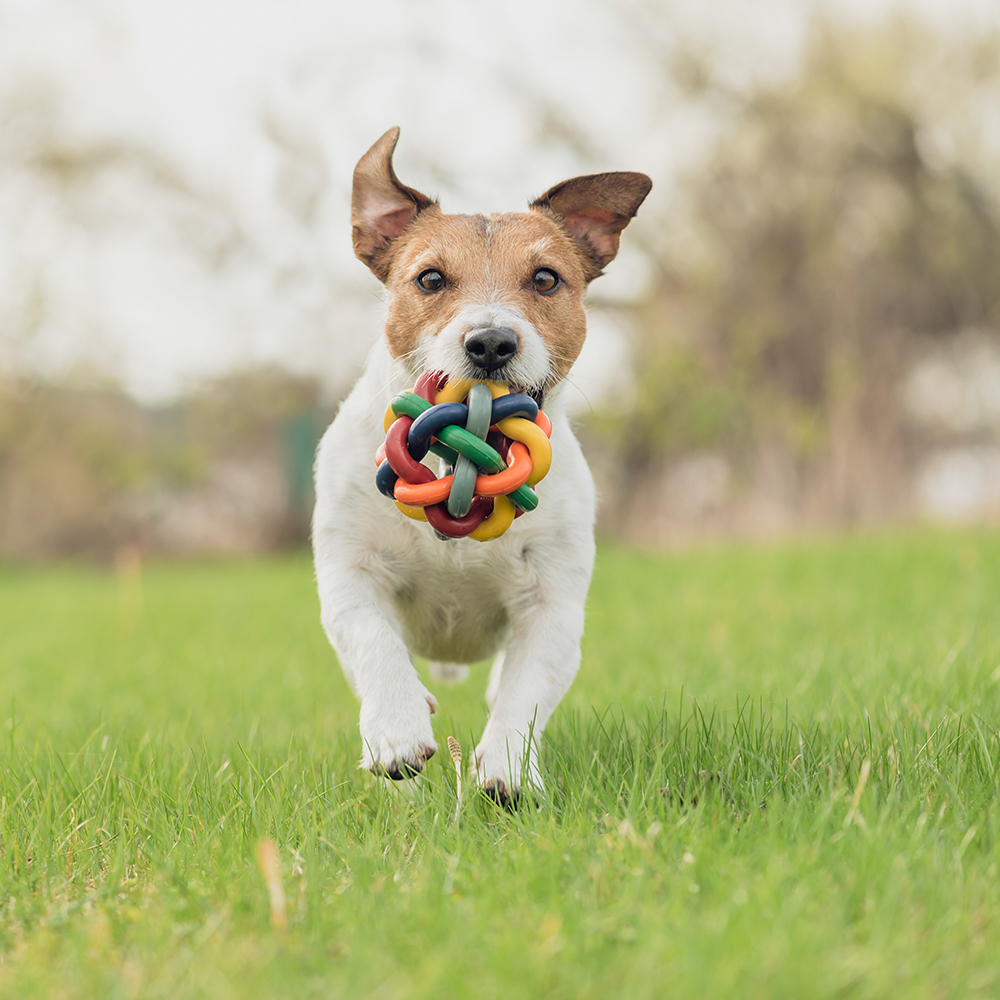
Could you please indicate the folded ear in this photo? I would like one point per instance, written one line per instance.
(594, 210)
(381, 207)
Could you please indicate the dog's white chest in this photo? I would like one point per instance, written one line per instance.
(452, 609)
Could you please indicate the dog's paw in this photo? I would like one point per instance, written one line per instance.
(507, 798)
(396, 735)
(507, 771)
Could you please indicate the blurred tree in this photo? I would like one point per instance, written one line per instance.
(89, 470)
(822, 240)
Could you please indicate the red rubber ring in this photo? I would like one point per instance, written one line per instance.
(459, 527)
(402, 462)
(429, 384)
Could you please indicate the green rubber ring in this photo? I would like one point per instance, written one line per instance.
(524, 497)
(463, 484)
(443, 451)
(452, 440)
(488, 459)
(409, 404)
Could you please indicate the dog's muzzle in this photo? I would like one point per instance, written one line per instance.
(490, 348)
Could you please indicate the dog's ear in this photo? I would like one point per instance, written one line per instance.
(381, 207)
(594, 209)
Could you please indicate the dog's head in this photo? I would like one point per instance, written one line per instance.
(500, 296)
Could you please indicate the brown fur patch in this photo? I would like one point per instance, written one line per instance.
(595, 209)
(487, 260)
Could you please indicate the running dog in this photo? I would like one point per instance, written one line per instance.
(496, 297)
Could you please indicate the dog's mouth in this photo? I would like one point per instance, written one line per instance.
(536, 392)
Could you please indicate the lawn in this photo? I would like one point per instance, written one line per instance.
(775, 776)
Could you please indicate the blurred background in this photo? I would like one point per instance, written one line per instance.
(801, 333)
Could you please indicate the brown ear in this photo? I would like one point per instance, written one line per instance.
(381, 207)
(594, 210)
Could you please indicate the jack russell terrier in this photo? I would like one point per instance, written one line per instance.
(496, 297)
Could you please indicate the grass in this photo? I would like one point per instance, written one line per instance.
(776, 775)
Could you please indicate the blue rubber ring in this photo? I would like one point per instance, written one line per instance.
(431, 421)
(513, 405)
(385, 479)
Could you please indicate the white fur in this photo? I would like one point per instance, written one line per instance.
(389, 587)
(444, 350)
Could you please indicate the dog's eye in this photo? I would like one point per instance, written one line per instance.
(431, 281)
(545, 281)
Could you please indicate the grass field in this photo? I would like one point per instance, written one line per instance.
(776, 776)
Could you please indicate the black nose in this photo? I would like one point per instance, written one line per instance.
(491, 347)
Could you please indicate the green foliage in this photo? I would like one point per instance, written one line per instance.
(775, 776)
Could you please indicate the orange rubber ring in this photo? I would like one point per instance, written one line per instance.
(423, 494)
(515, 475)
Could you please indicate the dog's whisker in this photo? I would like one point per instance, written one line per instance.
(402, 359)
(575, 385)
(559, 357)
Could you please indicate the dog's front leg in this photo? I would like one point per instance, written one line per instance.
(396, 708)
(540, 664)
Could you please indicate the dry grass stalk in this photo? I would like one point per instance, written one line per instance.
(455, 749)
(269, 864)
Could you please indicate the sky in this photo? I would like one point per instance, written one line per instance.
(204, 221)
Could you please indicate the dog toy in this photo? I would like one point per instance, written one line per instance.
(496, 441)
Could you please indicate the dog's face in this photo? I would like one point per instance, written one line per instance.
(498, 297)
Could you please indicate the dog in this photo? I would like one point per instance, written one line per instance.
(496, 297)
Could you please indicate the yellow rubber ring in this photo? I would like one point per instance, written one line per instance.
(498, 522)
(390, 418)
(417, 513)
(530, 434)
(456, 391)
